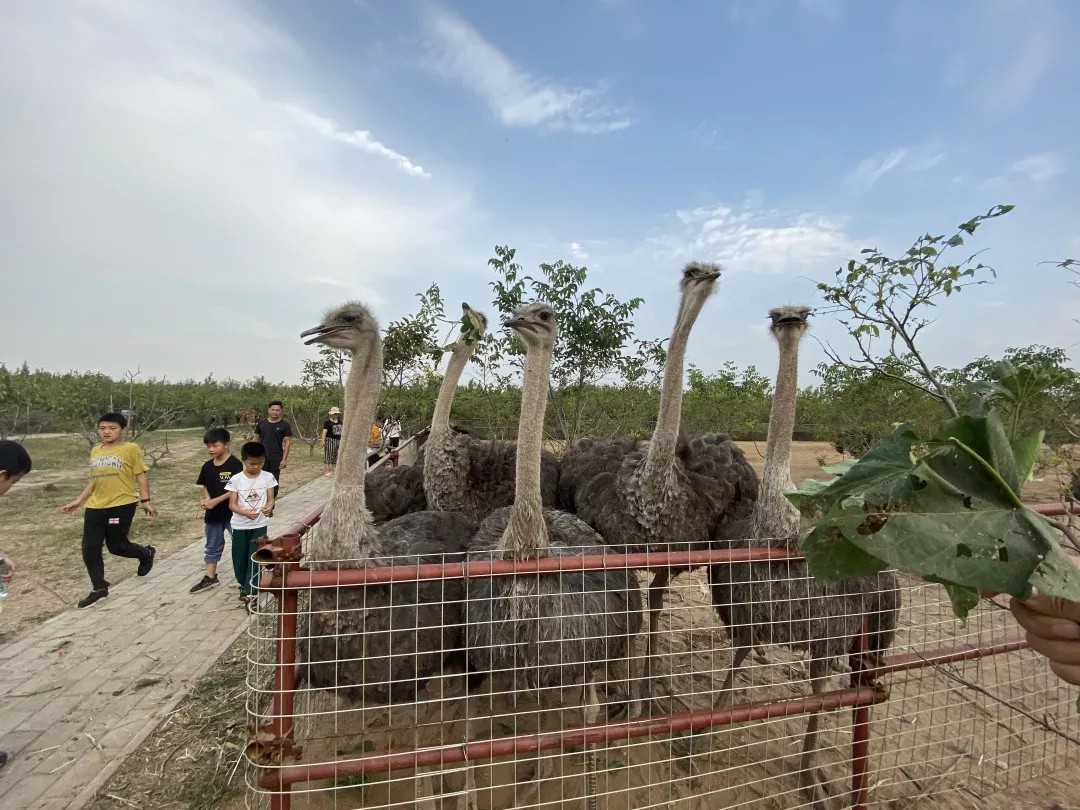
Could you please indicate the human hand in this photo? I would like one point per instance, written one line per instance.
(68, 508)
(10, 571)
(283, 465)
(206, 503)
(251, 514)
(1053, 630)
(266, 510)
(150, 509)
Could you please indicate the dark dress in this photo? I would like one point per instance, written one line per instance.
(333, 440)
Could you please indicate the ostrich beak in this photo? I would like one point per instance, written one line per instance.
(514, 323)
(465, 307)
(316, 333)
(712, 275)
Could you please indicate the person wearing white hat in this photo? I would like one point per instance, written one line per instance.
(330, 438)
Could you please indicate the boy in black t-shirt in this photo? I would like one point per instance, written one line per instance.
(213, 477)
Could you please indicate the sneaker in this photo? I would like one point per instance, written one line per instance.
(93, 596)
(146, 563)
(203, 584)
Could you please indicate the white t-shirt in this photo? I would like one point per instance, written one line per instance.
(251, 493)
(393, 429)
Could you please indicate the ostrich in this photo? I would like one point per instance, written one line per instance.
(552, 630)
(377, 644)
(466, 474)
(672, 493)
(779, 602)
(395, 491)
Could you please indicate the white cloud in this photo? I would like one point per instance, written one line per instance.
(577, 250)
(358, 139)
(517, 98)
(1039, 168)
(161, 160)
(873, 168)
(758, 240)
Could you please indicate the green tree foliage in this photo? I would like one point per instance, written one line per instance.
(595, 330)
(882, 301)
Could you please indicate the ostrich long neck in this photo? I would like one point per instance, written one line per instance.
(459, 357)
(362, 399)
(526, 531)
(775, 514)
(666, 433)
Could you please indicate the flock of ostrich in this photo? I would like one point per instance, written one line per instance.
(473, 499)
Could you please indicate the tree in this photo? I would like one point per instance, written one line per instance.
(884, 299)
(410, 344)
(328, 370)
(594, 330)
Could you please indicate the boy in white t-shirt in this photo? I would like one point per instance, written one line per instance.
(251, 500)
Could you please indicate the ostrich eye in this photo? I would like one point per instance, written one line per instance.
(545, 316)
(348, 317)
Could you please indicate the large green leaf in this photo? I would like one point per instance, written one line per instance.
(882, 476)
(946, 509)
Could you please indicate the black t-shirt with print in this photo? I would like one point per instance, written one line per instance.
(272, 435)
(214, 478)
(333, 429)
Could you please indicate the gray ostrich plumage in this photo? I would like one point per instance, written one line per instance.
(550, 630)
(673, 493)
(377, 644)
(779, 602)
(461, 472)
(391, 492)
(585, 459)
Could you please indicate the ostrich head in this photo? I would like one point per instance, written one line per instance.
(789, 321)
(473, 324)
(698, 283)
(536, 325)
(350, 327)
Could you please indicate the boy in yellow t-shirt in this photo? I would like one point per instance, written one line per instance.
(116, 467)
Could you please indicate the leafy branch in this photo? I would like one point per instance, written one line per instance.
(883, 300)
(946, 507)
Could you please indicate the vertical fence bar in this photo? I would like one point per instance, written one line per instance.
(860, 721)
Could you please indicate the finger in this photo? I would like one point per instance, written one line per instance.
(1067, 672)
(1060, 652)
(1043, 625)
(1054, 606)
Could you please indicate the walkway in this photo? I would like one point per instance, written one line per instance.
(84, 689)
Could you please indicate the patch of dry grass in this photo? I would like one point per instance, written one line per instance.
(46, 545)
(190, 761)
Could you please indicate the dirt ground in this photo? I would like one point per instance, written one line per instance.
(975, 734)
(46, 545)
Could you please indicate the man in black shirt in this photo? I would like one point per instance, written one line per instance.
(275, 434)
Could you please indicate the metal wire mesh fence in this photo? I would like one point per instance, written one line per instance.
(450, 683)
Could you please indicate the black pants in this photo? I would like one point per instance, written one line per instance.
(108, 527)
(273, 466)
(395, 441)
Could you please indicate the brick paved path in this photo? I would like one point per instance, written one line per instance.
(84, 689)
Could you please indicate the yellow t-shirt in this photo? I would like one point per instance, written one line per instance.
(373, 436)
(112, 471)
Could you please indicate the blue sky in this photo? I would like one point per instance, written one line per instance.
(205, 178)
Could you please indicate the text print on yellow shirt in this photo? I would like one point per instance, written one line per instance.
(112, 473)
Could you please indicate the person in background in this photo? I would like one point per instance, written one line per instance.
(214, 475)
(116, 467)
(14, 464)
(251, 501)
(275, 434)
(392, 431)
(374, 443)
(330, 438)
